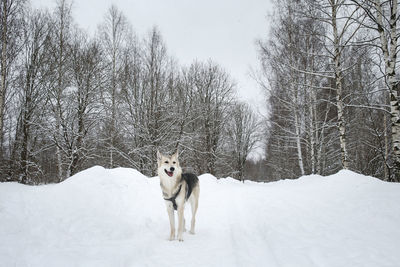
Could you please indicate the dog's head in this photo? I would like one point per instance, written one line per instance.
(168, 165)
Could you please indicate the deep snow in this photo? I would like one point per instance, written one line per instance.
(103, 217)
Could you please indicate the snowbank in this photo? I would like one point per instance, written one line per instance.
(103, 217)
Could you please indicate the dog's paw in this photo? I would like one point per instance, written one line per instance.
(191, 232)
(180, 238)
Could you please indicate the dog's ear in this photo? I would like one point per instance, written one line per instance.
(176, 155)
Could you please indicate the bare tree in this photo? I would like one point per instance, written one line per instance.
(132, 95)
(33, 79)
(84, 103)
(242, 134)
(287, 65)
(113, 35)
(11, 14)
(158, 120)
(62, 23)
(382, 20)
(214, 93)
(309, 62)
(113, 100)
(341, 19)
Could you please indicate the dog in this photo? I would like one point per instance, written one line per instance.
(177, 189)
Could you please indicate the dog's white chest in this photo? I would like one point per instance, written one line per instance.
(168, 186)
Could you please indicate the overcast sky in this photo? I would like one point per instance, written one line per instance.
(222, 30)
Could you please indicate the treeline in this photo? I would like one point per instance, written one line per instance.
(69, 101)
(330, 70)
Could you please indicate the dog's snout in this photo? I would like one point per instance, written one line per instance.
(172, 169)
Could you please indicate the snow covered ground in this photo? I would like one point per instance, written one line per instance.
(117, 217)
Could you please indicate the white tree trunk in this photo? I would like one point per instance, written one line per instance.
(339, 89)
(58, 150)
(312, 132)
(298, 129)
(298, 143)
(313, 119)
(3, 72)
(59, 92)
(385, 163)
(389, 53)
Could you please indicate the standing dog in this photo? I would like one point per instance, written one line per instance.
(177, 188)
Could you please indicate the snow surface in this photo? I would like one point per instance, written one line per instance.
(103, 217)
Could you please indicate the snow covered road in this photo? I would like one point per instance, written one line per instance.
(117, 217)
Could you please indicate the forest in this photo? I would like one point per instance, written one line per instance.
(69, 100)
(330, 70)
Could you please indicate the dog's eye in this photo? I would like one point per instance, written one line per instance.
(166, 162)
(174, 162)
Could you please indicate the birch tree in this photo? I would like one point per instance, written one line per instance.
(306, 69)
(341, 19)
(382, 19)
(282, 57)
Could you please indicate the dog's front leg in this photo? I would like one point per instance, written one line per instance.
(180, 222)
(171, 216)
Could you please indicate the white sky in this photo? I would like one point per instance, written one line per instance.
(222, 30)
